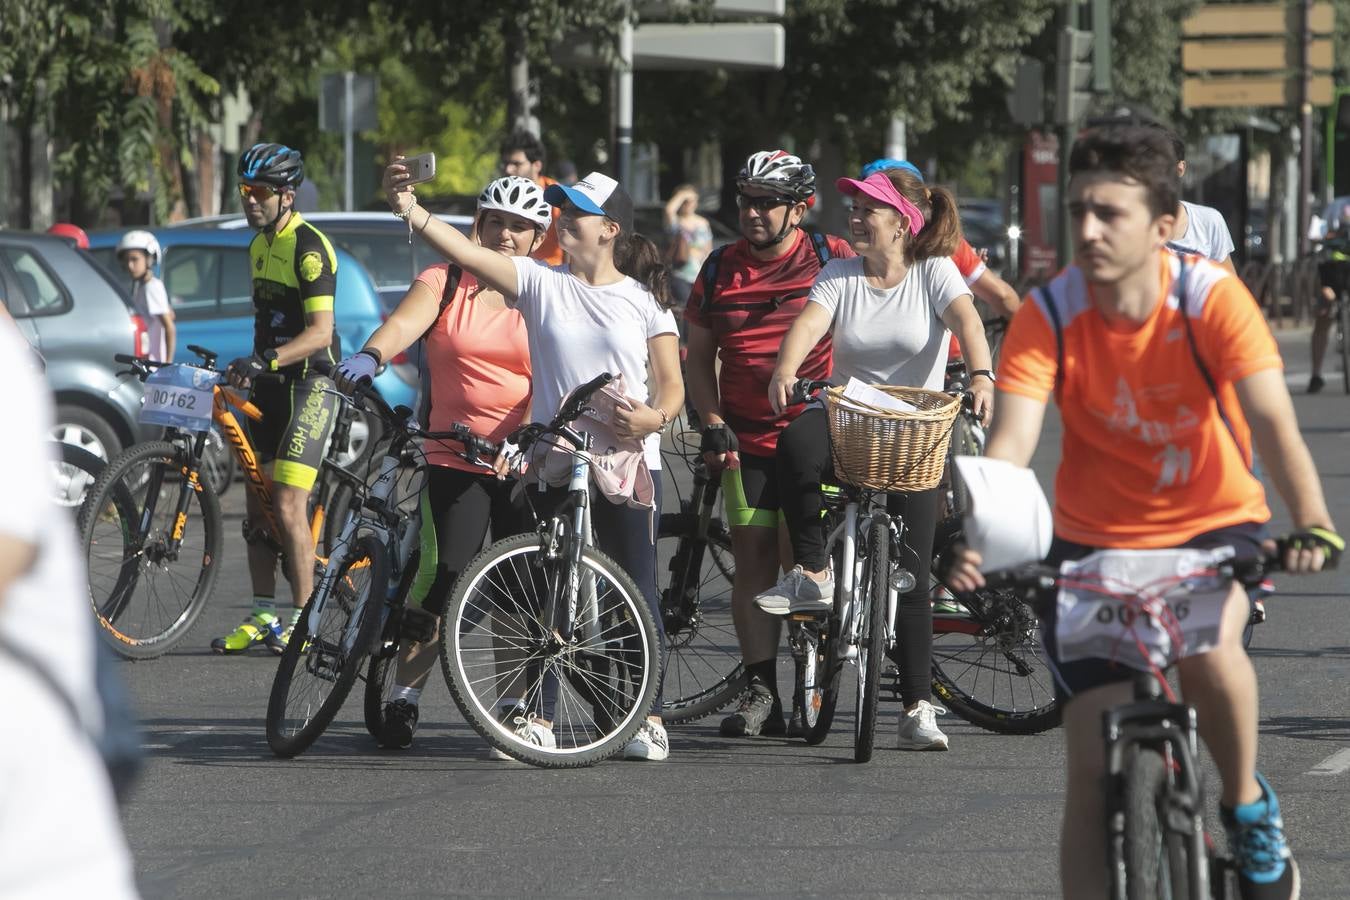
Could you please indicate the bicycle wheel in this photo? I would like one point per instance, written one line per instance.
(379, 682)
(871, 640)
(965, 442)
(1157, 857)
(219, 464)
(989, 668)
(597, 684)
(1343, 316)
(816, 693)
(150, 572)
(701, 668)
(323, 658)
(73, 473)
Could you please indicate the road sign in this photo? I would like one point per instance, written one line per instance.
(1262, 55)
(1232, 19)
(332, 95)
(731, 45)
(1270, 90)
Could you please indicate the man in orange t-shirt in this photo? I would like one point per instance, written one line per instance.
(1127, 340)
(522, 153)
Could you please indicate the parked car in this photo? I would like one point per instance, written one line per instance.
(206, 273)
(77, 316)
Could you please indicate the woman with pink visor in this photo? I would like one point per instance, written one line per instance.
(889, 312)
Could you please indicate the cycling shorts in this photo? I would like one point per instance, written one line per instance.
(751, 492)
(1334, 274)
(297, 421)
(1084, 674)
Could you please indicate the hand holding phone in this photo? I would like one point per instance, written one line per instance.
(420, 168)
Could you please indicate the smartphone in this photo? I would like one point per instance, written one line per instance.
(421, 167)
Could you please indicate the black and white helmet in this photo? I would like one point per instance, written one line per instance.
(519, 196)
(780, 172)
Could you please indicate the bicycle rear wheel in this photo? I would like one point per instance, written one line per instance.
(73, 473)
(1157, 857)
(150, 572)
(323, 657)
(701, 668)
(600, 681)
(871, 640)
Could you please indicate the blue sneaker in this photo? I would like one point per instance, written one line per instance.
(1265, 868)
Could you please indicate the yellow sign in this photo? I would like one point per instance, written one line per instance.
(1233, 19)
(1269, 90)
(1260, 55)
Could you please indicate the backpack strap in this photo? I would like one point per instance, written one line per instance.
(452, 279)
(1200, 362)
(822, 246)
(1058, 326)
(708, 275)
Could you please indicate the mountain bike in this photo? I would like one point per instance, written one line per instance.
(1147, 610)
(358, 607)
(74, 471)
(550, 628)
(151, 527)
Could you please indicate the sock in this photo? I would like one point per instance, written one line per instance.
(264, 605)
(296, 613)
(764, 675)
(411, 694)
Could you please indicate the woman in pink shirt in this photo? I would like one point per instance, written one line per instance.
(476, 367)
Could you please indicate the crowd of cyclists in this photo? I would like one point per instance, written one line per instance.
(1164, 372)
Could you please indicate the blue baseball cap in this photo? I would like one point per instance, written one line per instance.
(881, 165)
(596, 193)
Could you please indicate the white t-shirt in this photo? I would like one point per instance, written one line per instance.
(577, 331)
(894, 336)
(151, 301)
(1206, 233)
(59, 832)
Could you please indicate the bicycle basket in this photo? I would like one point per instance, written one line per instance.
(891, 451)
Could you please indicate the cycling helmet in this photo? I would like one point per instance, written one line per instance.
(140, 240)
(881, 165)
(274, 164)
(519, 196)
(780, 172)
(73, 233)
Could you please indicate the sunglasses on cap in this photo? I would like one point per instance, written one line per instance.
(259, 192)
(763, 204)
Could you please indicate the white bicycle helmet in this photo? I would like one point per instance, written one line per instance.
(519, 196)
(140, 240)
(780, 172)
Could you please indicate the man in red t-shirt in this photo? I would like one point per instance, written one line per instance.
(745, 299)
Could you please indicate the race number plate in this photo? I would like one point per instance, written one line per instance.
(1170, 607)
(179, 397)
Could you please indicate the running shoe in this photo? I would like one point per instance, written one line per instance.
(650, 743)
(258, 628)
(760, 712)
(797, 592)
(1265, 868)
(918, 729)
(400, 723)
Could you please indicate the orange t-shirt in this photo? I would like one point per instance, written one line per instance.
(479, 362)
(548, 249)
(971, 267)
(1146, 461)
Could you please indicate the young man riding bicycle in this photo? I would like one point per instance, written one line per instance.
(294, 277)
(1165, 375)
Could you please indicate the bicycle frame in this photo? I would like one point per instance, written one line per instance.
(860, 514)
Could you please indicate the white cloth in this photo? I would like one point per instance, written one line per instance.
(894, 336)
(151, 303)
(577, 331)
(1206, 233)
(59, 832)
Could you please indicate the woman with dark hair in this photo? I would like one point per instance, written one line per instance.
(889, 312)
(606, 310)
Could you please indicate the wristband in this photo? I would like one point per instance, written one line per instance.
(373, 354)
(269, 356)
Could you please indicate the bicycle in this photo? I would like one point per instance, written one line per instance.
(1157, 846)
(358, 606)
(134, 523)
(546, 619)
(74, 471)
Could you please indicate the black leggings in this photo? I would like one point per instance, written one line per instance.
(804, 464)
(463, 506)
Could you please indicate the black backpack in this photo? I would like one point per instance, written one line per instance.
(712, 265)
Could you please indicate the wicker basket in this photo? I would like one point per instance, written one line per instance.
(891, 451)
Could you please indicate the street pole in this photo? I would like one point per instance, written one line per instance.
(623, 137)
(347, 143)
(1069, 12)
(1305, 127)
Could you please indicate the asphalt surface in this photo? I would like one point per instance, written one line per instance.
(218, 815)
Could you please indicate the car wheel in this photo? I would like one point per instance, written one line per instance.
(87, 430)
(365, 434)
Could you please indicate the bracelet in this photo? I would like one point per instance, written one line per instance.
(665, 418)
(406, 216)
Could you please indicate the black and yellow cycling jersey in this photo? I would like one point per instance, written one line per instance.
(295, 274)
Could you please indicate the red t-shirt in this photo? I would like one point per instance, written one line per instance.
(971, 267)
(754, 303)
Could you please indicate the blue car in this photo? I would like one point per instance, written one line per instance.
(206, 273)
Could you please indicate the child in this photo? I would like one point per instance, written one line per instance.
(138, 251)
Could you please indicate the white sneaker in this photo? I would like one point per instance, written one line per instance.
(505, 714)
(798, 592)
(650, 743)
(529, 731)
(918, 728)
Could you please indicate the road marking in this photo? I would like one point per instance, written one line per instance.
(1334, 764)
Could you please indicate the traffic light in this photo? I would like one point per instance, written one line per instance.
(1073, 82)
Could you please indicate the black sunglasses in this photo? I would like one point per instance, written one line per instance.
(763, 204)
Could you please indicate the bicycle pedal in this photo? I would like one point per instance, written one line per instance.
(802, 617)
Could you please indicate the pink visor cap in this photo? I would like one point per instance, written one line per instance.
(882, 189)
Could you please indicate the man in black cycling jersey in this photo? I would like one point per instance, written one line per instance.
(294, 275)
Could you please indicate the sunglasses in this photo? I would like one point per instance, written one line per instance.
(763, 204)
(259, 192)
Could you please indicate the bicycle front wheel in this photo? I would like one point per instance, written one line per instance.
(701, 671)
(327, 648)
(871, 640)
(150, 569)
(1157, 858)
(595, 684)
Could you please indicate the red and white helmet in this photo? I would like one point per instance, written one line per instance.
(140, 240)
(519, 196)
(780, 172)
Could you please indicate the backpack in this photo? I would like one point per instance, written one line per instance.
(453, 276)
(1058, 327)
(712, 265)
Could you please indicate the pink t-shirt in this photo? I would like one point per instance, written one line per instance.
(479, 362)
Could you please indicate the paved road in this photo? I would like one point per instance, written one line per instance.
(218, 815)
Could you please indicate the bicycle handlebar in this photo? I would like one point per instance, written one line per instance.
(1037, 576)
(804, 388)
(572, 408)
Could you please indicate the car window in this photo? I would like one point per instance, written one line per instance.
(192, 280)
(388, 256)
(42, 294)
(236, 282)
